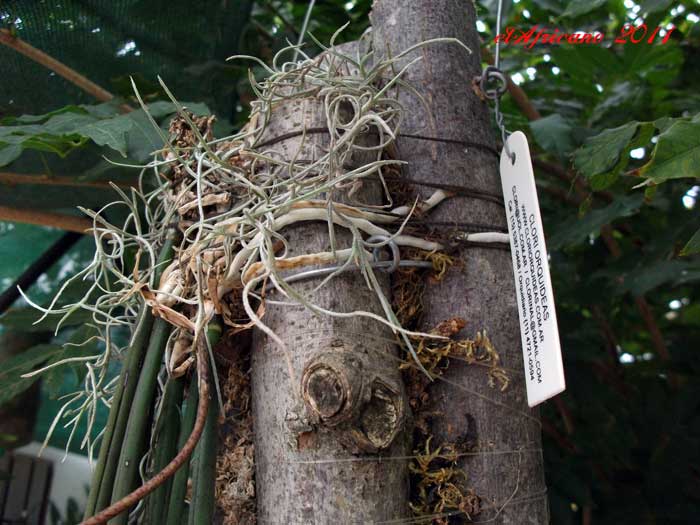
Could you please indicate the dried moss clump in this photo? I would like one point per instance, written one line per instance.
(439, 488)
(235, 464)
(439, 485)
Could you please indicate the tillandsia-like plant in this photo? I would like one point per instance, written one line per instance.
(229, 200)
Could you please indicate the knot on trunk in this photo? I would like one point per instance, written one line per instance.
(342, 391)
(331, 386)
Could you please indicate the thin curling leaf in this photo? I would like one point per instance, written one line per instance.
(289, 47)
(333, 51)
(266, 192)
(337, 33)
(144, 107)
(183, 113)
(254, 59)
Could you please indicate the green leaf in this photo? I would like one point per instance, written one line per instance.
(663, 123)
(659, 64)
(649, 277)
(59, 134)
(11, 381)
(109, 132)
(587, 63)
(492, 6)
(163, 108)
(555, 6)
(693, 245)
(601, 153)
(619, 99)
(64, 124)
(25, 318)
(38, 119)
(581, 7)
(553, 133)
(577, 229)
(604, 156)
(677, 153)
(69, 128)
(650, 193)
(143, 139)
(653, 6)
(9, 152)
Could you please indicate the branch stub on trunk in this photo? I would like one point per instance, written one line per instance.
(341, 390)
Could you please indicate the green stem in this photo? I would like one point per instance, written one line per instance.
(110, 450)
(129, 375)
(107, 439)
(204, 476)
(176, 504)
(164, 447)
(136, 438)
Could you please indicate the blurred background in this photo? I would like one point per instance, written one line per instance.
(622, 444)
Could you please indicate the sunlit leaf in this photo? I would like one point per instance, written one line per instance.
(600, 153)
(605, 155)
(677, 153)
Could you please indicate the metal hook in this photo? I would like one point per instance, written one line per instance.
(491, 74)
(395, 252)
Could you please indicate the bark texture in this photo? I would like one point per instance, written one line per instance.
(481, 290)
(319, 436)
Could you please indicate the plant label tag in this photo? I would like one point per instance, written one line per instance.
(544, 370)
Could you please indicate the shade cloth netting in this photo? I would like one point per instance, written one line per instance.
(185, 42)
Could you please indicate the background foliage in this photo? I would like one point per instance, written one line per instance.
(616, 153)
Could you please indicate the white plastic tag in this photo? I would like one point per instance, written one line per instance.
(544, 371)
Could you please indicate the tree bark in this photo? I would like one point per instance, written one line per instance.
(507, 473)
(320, 435)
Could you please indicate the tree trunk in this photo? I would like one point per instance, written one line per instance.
(320, 434)
(507, 473)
